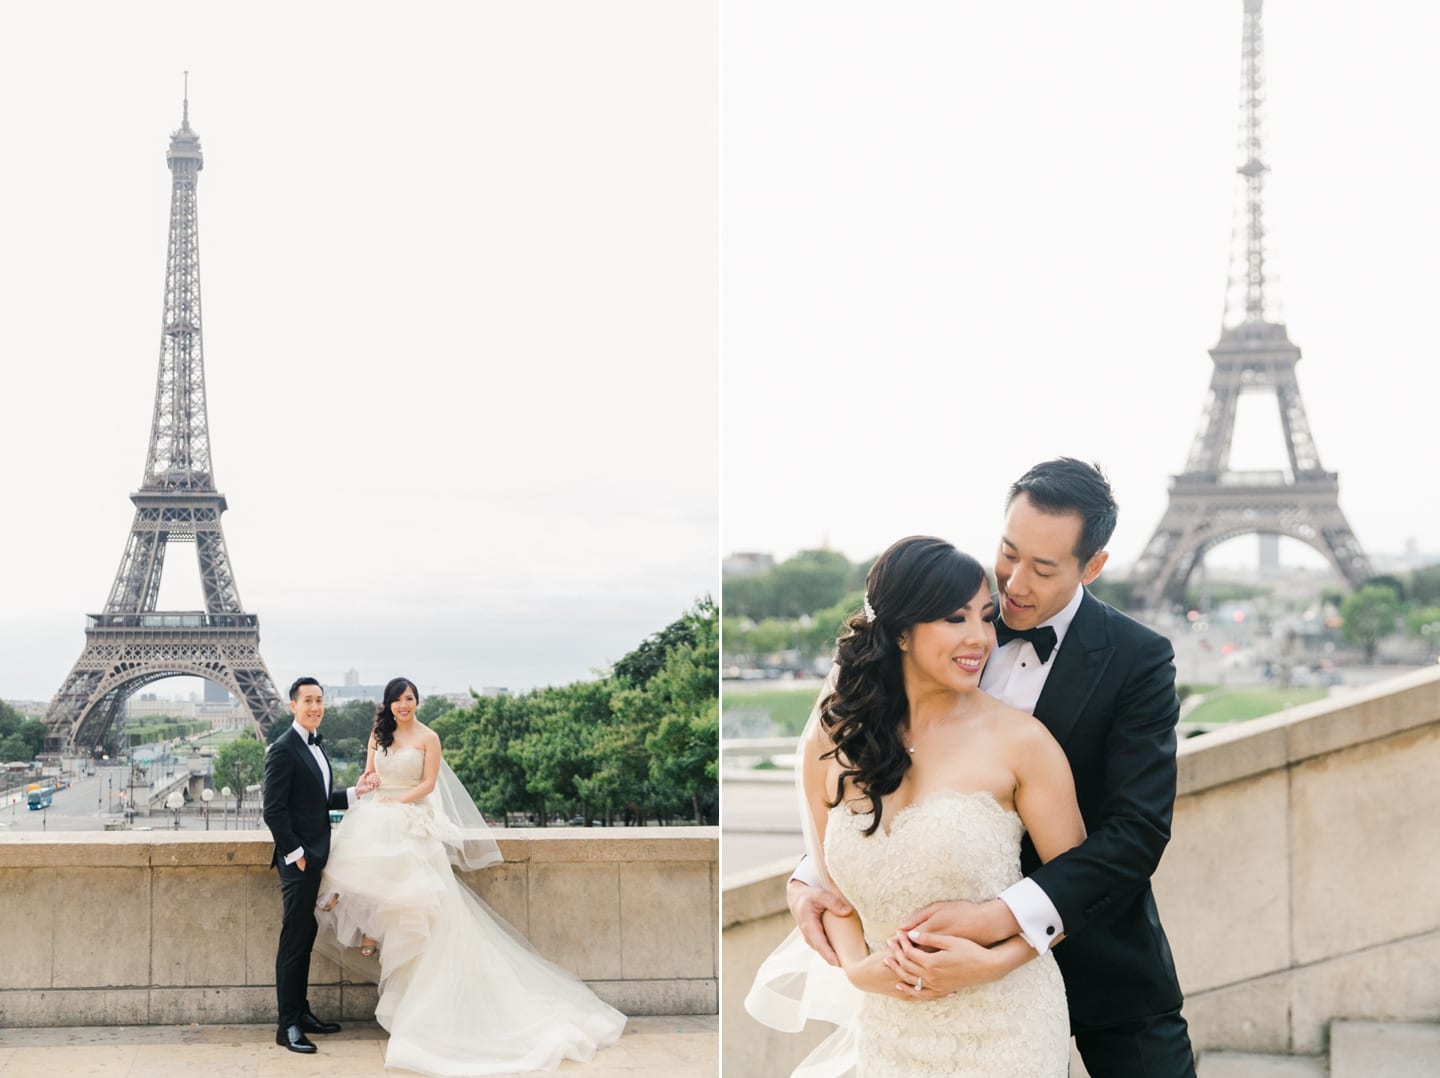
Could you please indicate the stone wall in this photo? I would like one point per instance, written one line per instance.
(1299, 886)
(169, 928)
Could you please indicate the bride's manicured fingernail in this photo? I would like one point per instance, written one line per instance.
(913, 934)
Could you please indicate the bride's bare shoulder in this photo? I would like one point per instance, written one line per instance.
(1019, 730)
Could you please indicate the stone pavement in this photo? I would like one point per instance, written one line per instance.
(678, 1046)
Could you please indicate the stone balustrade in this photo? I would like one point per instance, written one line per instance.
(1299, 885)
(171, 928)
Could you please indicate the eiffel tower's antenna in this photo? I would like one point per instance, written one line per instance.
(1245, 298)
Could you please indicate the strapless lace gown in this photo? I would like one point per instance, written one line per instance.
(462, 993)
(948, 846)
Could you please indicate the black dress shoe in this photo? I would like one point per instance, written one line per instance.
(310, 1024)
(293, 1038)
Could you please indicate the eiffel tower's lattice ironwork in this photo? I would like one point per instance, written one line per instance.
(1209, 501)
(132, 643)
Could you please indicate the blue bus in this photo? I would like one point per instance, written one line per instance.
(41, 798)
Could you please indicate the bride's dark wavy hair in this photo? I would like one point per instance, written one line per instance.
(384, 729)
(918, 579)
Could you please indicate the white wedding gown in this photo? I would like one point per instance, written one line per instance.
(462, 993)
(951, 845)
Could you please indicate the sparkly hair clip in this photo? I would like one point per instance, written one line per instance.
(868, 610)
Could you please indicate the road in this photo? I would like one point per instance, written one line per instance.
(90, 801)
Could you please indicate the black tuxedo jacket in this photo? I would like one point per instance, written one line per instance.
(297, 811)
(1110, 703)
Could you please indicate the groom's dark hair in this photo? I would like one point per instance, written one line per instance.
(1067, 485)
(295, 686)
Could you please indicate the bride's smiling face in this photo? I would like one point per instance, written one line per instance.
(950, 653)
(403, 706)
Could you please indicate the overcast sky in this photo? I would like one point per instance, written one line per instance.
(460, 276)
(961, 238)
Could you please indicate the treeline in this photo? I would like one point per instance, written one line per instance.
(1389, 605)
(791, 615)
(638, 745)
(20, 738)
(156, 730)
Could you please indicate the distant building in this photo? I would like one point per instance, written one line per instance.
(747, 563)
(352, 678)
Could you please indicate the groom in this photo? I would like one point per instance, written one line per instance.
(298, 800)
(1104, 685)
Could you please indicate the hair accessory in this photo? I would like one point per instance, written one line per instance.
(868, 610)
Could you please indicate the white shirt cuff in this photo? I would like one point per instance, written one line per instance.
(1039, 920)
(295, 855)
(351, 797)
(806, 873)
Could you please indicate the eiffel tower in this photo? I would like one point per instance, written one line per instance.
(132, 644)
(1209, 501)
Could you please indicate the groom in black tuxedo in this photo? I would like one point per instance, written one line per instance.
(298, 800)
(1104, 685)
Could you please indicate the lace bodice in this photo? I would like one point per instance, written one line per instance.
(951, 845)
(400, 769)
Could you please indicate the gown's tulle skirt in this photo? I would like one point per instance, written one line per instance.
(461, 992)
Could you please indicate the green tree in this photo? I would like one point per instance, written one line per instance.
(15, 747)
(640, 665)
(683, 748)
(812, 580)
(238, 764)
(24, 737)
(432, 708)
(1423, 623)
(1369, 614)
(1425, 585)
(480, 744)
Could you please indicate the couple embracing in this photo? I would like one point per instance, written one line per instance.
(986, 778)
(461, 992)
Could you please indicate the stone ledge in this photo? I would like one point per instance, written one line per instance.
(141, 849)
(1300, 733)
(127, 928)
(756, 893)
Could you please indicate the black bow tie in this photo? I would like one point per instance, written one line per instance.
(1042, 638)
(316, 739)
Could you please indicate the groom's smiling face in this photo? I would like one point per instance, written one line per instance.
(1036, 567)
(309, 706)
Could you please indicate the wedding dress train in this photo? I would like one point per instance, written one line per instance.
(462, 994)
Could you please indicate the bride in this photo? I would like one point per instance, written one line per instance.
(461, 992)
(917, 787)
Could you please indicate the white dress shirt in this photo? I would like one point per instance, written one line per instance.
(1016, 676)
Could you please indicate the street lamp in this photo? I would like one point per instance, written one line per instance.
(226, 793)
(206, 795)
(174, 803)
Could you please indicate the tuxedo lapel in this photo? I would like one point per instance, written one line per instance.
(303, 750)
(1080, 663)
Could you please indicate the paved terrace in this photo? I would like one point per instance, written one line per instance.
(682, 1046)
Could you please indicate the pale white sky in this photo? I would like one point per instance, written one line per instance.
(460, 273)
(962, 237)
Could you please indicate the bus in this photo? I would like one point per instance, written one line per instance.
(41, 798)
